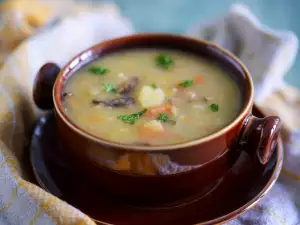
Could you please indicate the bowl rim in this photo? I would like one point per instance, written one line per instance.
(92, 54)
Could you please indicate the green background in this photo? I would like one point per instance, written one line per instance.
(177, 16)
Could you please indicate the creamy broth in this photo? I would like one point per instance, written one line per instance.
(151, 96)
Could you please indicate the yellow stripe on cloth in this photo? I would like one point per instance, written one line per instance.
(10, 160)
(58, 210)
(274, 215)
(12, 198)
(2, 164)
(17, 114)
(271, 212)
(35, 217)
(10, 202)
(290, 175)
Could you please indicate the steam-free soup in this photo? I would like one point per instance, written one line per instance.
(151, 96)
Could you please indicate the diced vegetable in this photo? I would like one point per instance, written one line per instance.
(147, 133)
(98, 70)
(199, 80)
(155, 111)
(154, 125)
(150, 97)
(153, 130)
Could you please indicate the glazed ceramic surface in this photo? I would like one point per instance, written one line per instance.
(242, 187)
(157, 170)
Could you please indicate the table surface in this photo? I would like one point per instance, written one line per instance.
(176, 16)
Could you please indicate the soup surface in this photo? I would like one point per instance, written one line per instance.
(151, 96)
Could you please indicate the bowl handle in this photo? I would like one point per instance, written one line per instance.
(260, 136)
(43, 85)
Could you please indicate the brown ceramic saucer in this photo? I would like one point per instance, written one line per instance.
(237, 192)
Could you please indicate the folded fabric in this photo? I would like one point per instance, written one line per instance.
(21, 19)
(268, 55)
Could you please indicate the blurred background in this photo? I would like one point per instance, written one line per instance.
(177, 16)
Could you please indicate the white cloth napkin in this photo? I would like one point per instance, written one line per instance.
(78, 31)
(268, 54)
(22, 202)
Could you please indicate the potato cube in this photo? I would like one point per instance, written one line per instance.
(150, 97)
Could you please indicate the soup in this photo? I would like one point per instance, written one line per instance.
(151, 97)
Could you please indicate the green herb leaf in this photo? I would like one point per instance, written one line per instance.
(131, 119)
(164, 61)
(214, 107)
(109, 88)
(153, 86)
(186, 83)
(98, 70)
(163, 117)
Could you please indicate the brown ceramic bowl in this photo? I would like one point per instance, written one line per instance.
(158, 173)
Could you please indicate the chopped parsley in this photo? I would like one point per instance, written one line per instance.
(186, 83)
(98, 70)
(165, 118)
(214, 107)
(164, 61)
(109, 88)
(154, 86)
(131, 119)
